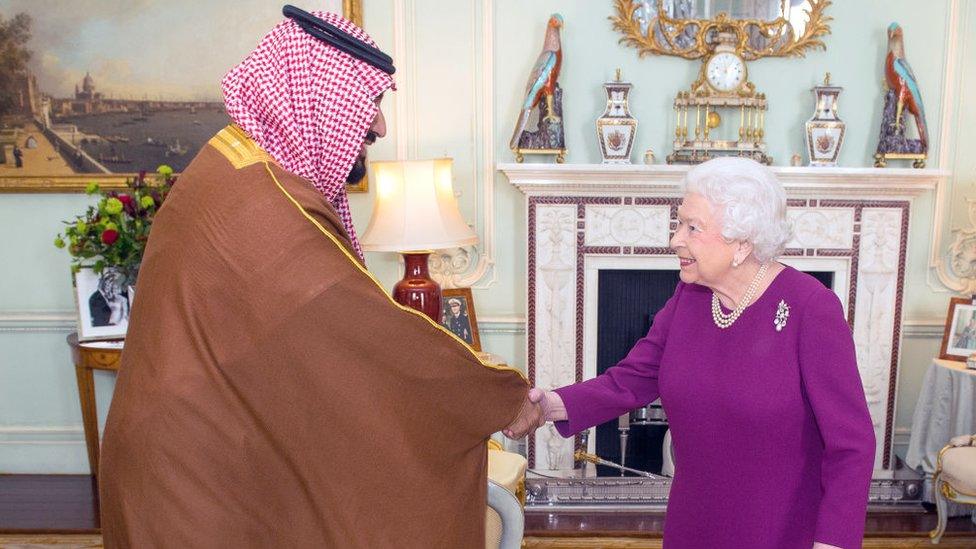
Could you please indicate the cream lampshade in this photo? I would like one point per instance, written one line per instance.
(414, 213)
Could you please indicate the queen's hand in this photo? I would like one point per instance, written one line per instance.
(541, 406)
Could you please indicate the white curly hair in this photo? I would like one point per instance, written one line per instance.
(749, 201)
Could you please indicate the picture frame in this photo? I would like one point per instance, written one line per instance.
(959, 337)
(58, 141)
(458, 315)
(103, 302)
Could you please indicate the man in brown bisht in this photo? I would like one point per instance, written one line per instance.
(271, 393)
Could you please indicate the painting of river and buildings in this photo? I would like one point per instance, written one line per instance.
(93, 134)
(107, 88)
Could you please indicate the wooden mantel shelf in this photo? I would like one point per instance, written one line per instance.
(545, 179)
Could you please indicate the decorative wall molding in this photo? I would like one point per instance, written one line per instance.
(927, 328)
(41, 434)
(65, 321)
(405, 58)
(38, 321)
(952, 86)
(957, 269)
(474, 266)
(43, 449)
(503, 325)
(902, 435)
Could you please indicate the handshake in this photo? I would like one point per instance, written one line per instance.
(539, 407)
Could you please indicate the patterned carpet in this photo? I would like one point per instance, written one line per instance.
(43, 541)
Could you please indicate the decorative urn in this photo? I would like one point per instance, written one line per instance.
(616, 128)
(825, 131)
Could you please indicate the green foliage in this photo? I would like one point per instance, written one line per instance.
(114, 232)
(14, 35)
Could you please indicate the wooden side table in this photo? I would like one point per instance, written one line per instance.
(89, 356)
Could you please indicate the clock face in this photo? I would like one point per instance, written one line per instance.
(725, 71)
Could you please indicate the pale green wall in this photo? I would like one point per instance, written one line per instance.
(441, 115)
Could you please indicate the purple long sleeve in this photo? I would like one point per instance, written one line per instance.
(828, 365)
(773, 443)
(630, 383)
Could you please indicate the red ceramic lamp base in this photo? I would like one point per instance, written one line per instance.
(417, 290)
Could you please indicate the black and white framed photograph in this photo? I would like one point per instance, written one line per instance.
(959, 339)
(457, 315)
(103, 302)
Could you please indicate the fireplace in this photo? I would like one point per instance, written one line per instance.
(627, 300)
(586, 222)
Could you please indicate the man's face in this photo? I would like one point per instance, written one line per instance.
(377, 130)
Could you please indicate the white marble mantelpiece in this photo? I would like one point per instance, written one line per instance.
(639, 179)
(583, 218)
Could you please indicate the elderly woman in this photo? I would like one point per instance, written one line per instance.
(754, 364)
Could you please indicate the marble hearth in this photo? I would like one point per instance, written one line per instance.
(852, 222)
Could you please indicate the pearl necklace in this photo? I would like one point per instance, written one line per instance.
(723, 320)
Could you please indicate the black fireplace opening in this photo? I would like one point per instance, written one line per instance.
(627, 302)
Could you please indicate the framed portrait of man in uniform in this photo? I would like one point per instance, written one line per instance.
(458, 316)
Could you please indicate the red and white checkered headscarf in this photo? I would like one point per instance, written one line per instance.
(308, 105)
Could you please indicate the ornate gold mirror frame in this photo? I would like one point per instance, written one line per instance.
(76, 183)
(662, 34)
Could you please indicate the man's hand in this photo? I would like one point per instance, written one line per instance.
(530, 417)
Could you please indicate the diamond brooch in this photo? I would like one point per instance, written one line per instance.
(782, 313)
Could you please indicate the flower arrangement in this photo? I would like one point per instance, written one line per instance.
(113, 233)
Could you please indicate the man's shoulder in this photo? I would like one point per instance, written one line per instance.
(238, 148)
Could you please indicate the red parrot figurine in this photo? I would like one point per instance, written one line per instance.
(542, 80)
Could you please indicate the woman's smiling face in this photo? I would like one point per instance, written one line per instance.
(705, 255)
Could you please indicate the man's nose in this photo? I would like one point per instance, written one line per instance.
(379, 124)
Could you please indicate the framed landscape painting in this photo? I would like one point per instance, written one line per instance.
(108, 88)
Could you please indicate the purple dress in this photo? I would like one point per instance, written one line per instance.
(774, 447)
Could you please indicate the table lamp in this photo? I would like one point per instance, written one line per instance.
(415, 213)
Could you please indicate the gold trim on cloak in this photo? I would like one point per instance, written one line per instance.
(355, 261)
(239, 149)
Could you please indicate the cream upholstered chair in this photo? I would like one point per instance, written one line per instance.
(954, 479)
(506, 496)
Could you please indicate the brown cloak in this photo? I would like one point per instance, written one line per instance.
(272, 394)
